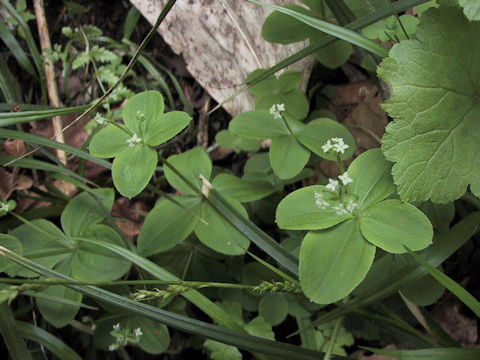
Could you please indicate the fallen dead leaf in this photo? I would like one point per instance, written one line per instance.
(14, 147)
(130, 215)
(9, 182)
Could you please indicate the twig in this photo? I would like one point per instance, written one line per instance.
(52, 88)
(97, 102)
(202, 135)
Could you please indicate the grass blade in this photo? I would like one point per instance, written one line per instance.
(450, 284)
(56, 346)
(430, 354)
(11, 335)
(247, 342)
(331, 29)
(12, 118)
(16, 50)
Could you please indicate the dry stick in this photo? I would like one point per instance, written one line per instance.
(52, 88)
(97, 102)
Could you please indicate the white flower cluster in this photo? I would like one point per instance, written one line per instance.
(333, 185)
(341, 209)
(99, 119)
(124, 336)
(336, 144)
(134, 140)
(320, 201)
(277, 109)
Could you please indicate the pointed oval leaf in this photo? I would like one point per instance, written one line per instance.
(334, 261)
(333, 55)
(191, 164)
(109, 142)
(58, 314)
(283, 29)
(391, 225)
(317, 132)
(372, 181)
(149, 105)
(39, 237)
(229, 140)
(273, 308)
(243, 190)
(168, 224)
(258, 124)
(219, 234)
(298, 211)
(83, 211)
(166, 126)
(94, 262)
(287, 156)
(133, 169)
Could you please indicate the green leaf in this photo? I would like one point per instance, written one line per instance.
(191, 164)
(83, 211)
(258, 124)
(11, 243)
(372, 181)
(58, 314)
(334, 261)
(10, 332)
(296, 103)
(424, 292)
(155, 338)
(430, 354)
(259, 327)
(109, 142)
(241, 189)
(229, 140)
(333, 55)
(219, 351)
(440, 215)
(298, 211)
(218, 234)
(92, 262)
(166, 126)
(284, 29)
(168, 224)
(142, 112)
(393, 225)
(287, 156)
(40, 239)
(316, 133)
(433, 140)
(390, 28)
(273, 308)
(462, 294)
(471, 9)
(133, 169)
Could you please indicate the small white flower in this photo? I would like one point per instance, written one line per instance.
(4, 206)
(340, 210)
(116, 327)
(276, 109)
(345, 179)
(352, 205)
(320, 201)
(134, 140)
(327, 146)
(332, 185)
(113, 347)
(99, 119)
(337, 140)
(138, 332)
(340, 148)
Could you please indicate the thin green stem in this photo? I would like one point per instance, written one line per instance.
(333, 339)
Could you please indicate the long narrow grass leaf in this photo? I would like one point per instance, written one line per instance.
(12, 118)
(456, 289)
(56, 346)
(11, 335)
(331, 29)
(16, 50)
(430, 354)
